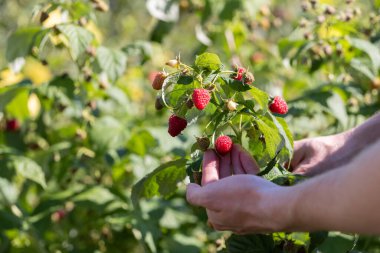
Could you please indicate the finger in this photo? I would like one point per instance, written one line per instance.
(236, 164)
(194, 195)
(210, 167)
(298, 155)
(225, 166)
(249, 164)
(203, 196)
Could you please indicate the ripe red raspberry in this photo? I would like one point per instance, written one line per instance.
(176, 125)
(279, 105)
(239, 73)
(159, 80)
(223, 144)
(12, 125)
(201, 97)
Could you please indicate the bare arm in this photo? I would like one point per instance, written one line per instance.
(316, 155)
(346, 199)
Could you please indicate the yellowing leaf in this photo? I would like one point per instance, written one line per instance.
(35, 71)
(8, 77)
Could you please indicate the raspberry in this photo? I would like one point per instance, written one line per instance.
(158, 103)
(58, 215)
(12, 125)
(159, 80)
(239, 73)
(223, 144)
(176, 125)
(279, 105)
(203, 143)
(249, 78)
(201, 97)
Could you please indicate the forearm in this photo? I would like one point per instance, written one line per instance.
(346, 199)
(345, 146)
(361, 136)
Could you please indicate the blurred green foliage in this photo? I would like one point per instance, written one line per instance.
(79, 128)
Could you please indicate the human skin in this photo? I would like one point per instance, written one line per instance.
(316, 155)
(344, 199)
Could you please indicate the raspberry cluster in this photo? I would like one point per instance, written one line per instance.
(200, 97)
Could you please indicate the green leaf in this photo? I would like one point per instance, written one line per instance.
(29, 169)
(250, 244)
(230, 7)
(112, 62)
(337, 107)
(78, 37)
(370, 49)
(9, 221)
(161, 30)
(273, 140)
(141, 142)
(141, 50)
(208, 61)
(316, 239)
(107, 133)
(97, 195)
(21, 42)
(358, 65)
(238, 85)
(8, 95)
(285, 133)
(337, 242)
(8, 192)
(260, 97)
(65, 84)
(18, 107)
(185, 80)
(160, 182)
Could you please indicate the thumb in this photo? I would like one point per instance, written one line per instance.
(195, 194)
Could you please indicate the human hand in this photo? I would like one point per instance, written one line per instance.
(242, 202)
(315, 155)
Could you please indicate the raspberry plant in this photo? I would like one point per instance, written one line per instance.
(229, 109)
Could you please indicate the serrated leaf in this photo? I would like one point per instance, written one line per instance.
(160, 182)
(358, 65)
(273, 140)
(370, 49)
(208, 61)
(112, 62)
(21, 42)
(260, 97)
(185, 80)
(29, 169)
(285, 133)
(107, 133)
(78, 37)
(238, 85)
(250, 244)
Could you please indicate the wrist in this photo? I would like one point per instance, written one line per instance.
(280, 208)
